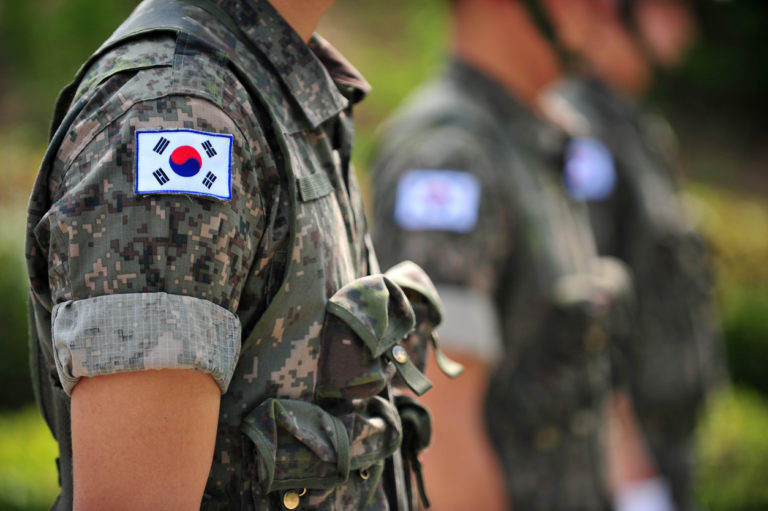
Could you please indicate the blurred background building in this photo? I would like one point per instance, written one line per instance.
(716, 102)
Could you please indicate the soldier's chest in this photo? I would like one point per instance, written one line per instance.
(316, 218)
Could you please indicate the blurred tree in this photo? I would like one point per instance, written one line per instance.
(746, 331)
(44, 42)
(15, 389)
(733, 450)
(726, 76)
(717, 98)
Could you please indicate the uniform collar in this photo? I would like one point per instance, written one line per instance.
(319, 79)
(347, 77)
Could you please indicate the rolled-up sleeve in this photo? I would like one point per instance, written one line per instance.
(471, 324)
(138, 332)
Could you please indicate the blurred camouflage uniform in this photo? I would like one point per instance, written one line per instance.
(124, 280)
(464, 187)
(672, 358)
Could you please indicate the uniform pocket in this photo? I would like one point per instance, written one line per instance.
(298, 444)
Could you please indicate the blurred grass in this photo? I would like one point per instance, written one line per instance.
(737, 226)
(20, 162)
(732, 444)
(28, 452)
(42, 43)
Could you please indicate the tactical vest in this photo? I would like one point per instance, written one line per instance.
(310, 419)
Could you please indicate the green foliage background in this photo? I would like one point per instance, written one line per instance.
(716, 101)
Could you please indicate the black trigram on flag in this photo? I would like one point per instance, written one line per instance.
(161, 145)
(161, 176)
(209, 150)
(209, 179)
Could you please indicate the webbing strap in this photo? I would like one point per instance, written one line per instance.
(314, 186)
(410, 374)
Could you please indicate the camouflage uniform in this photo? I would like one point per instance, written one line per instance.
(271, 288)
(673, 357)
(527, 261)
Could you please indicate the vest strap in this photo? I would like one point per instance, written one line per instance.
(314, 186)
(408, 371)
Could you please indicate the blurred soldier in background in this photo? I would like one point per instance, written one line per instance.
(638, 215)
(465, 184)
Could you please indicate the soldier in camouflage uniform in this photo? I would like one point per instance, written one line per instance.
(672, 359)
(464, 185)
(209, 324)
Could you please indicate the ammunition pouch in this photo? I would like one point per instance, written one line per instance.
(298, 444)
(378, 326)
(375, 330)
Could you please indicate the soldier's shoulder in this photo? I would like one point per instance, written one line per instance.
(153, 66)
(435, 111)
(147, 75)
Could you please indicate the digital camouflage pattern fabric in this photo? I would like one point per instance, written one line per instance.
(240, 288)
(673, 357)
(531, 253)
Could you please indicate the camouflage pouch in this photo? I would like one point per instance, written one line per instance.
(298, 444)
(361, 351)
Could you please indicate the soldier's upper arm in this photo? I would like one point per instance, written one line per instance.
(146, 262)
(440, 200)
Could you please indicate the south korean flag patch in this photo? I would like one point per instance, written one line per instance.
(184, 161)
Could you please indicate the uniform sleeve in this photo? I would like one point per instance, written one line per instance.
(150, 280)
(439, 200)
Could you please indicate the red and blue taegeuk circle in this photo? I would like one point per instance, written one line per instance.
(185, 161)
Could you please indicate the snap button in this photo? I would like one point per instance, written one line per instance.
(291, 500)
(399, 354)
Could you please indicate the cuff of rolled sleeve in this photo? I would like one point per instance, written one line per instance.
(470, 324)
(137, 332)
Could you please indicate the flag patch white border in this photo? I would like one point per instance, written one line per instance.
(155, 175)
(437, 200)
